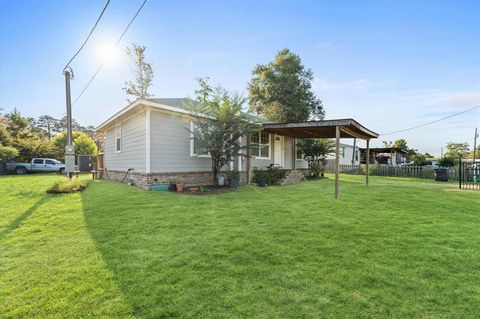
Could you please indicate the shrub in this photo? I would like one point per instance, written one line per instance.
(271, 175)
(446, 162)
(66, 186)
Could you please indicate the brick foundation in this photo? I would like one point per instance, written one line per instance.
(144, 180)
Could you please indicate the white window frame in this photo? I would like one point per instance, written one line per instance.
(296, 153)
(118, 135)
(192, 143)
(269, 144)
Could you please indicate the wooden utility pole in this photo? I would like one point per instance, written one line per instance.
(69, 148)
(475, 144)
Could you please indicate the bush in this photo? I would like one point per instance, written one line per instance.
(271, 175)
(446, 162)
(66, 186)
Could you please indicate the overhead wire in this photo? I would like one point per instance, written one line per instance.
(102, 64)
(432, 122)
(89, 34)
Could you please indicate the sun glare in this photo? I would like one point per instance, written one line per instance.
(108, 53)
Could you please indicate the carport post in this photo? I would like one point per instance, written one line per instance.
(337, 162)
(367, 162)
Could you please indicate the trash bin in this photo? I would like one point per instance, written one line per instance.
(441, 175)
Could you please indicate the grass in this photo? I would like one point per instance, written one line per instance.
(401, 248)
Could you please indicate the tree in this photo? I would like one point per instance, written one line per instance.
(315, 151)
(62, 125)
(419, 159)
(49, 124)
(17, 125)
(142, 71)
(401, 144)
(84, 145)
(219, 125)
(387, 143)
(6, 153)
(281, 91)
(456, 151)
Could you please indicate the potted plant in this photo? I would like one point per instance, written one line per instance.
(233, 178)
(179, 186)
(172, 185)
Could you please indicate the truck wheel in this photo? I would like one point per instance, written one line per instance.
(20, 170)
(62, 171)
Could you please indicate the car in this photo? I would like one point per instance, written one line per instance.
(37, 165)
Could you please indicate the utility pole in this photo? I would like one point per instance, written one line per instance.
(475, 144)
(69, 149)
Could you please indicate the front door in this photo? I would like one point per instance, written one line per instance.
(278, 154)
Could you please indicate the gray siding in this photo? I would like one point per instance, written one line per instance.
(170, 145)
(133, 149)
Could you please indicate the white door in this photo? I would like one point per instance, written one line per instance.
(278, 154)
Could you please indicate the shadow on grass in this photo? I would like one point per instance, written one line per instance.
(22, 217)
(121, 238)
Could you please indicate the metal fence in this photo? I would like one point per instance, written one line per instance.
(426, 172)
(469, 175)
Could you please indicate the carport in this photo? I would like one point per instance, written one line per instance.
(343, 128)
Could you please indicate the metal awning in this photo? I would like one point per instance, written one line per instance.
(349, 128)
(343, 128)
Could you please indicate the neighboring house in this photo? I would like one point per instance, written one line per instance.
(153, 137)
(385, 155)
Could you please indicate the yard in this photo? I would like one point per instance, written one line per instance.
(402, 248)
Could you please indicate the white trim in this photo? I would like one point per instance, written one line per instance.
(259, 144)
(150, 104)
(282, 149)
(192, 143)
(118, 134)
(147, 139)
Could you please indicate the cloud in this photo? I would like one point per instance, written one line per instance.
(463, 99)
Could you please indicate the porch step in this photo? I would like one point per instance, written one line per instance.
(292, 177)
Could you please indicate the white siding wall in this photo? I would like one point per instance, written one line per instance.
(170, 145)
(133, 154)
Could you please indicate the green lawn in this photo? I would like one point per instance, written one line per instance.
(401, 248)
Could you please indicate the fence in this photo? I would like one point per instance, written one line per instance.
(426, 172)
(469, 175)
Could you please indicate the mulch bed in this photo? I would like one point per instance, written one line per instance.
(209, 191)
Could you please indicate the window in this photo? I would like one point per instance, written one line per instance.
(298, 152)
(118, 139)
(38, 161)
(50, 162)
(260, 145)
(195, 145)
(343, 152)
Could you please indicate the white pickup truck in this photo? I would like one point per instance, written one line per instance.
(37, 165)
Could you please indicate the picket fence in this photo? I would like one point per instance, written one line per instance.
(426, 172)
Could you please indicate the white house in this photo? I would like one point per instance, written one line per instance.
(152, 138)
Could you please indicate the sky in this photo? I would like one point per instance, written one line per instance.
(388, 64)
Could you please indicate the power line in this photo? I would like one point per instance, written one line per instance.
(101, 65)
(432, 122)
(89, 35)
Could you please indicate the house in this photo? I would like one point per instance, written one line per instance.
(385, 155)
(152, 139)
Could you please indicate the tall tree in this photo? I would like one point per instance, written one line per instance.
(456, 151)
(219, 126)
(401, 144)
(142, 71)
(84, 145)
(49, 124)
(281, 91)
